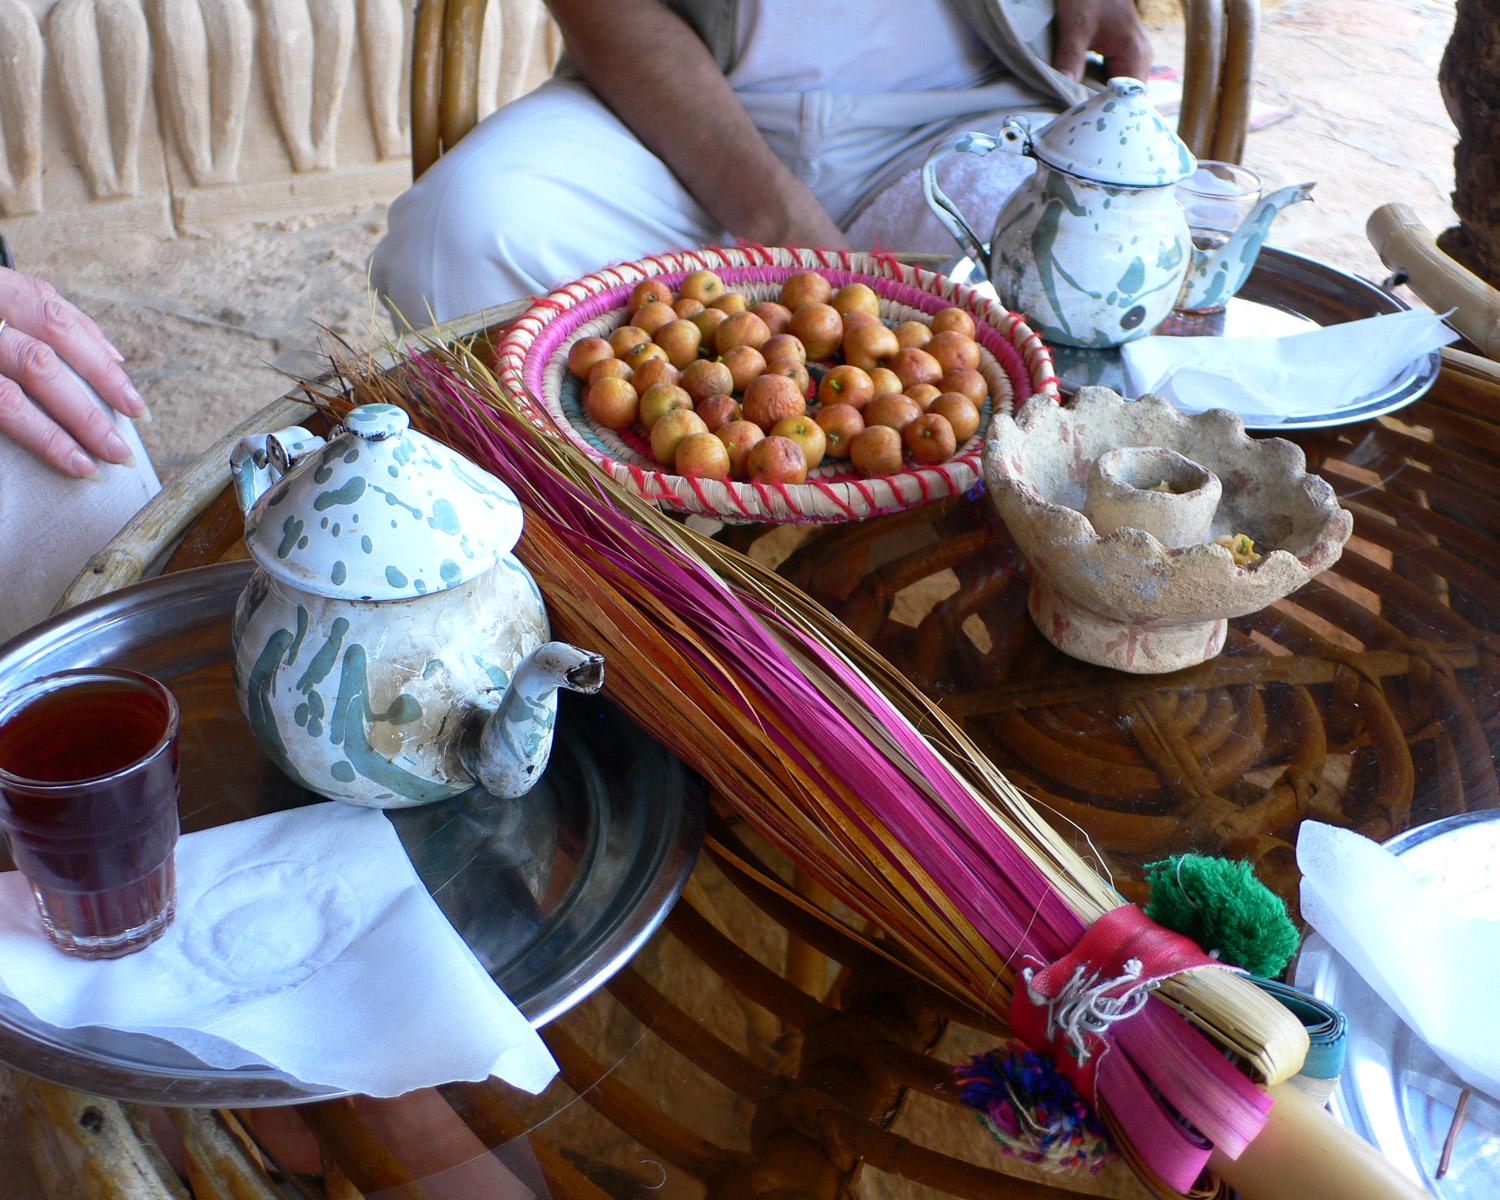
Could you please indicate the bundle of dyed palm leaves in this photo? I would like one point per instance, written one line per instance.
(849, 770)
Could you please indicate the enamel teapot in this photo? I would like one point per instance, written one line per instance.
(390, 650)
(1094, 248)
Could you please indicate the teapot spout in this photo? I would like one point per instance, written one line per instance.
(507, 754)
(1217, 274)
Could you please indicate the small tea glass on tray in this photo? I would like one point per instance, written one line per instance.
(1216, 199)
(88, 800)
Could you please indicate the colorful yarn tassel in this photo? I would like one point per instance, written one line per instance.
(1032, 1111)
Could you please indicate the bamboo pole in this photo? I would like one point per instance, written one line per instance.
(220, 1167)
(87, 1146)
(1204, 66)
(1237, 91)
(458, 106)
(1404, 244)
(1304, 1154)
(426, 86)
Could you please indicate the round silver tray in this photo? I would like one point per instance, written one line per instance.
(553, 893)
(1286, 293)
(1395, 1092)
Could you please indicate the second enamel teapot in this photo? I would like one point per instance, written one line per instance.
(390, 649)
(1094, 248)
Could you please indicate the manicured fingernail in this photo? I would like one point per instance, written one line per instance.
(83, 466)
(117, 451)
(134, 397)
(115, 354)
(145, 416)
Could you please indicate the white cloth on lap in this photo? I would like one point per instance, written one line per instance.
(51, 525)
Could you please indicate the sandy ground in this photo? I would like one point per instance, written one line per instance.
(215, 327)
(212, 326)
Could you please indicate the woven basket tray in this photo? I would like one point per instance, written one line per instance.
(532, 367)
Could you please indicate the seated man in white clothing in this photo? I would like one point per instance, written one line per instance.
(72, 470)
(782, 132)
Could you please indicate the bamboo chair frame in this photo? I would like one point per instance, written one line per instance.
(1218, 76)
(1405, 245)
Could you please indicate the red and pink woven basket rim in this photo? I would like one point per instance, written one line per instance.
(530, 343)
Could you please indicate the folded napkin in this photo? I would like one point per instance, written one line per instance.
(1270, 379)
(1437, 968)
(303, 940)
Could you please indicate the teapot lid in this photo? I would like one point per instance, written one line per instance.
(382, 512)
(1116, 136)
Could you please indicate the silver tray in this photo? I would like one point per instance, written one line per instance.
(1286, 293)
(553, 893)
(1395, 1092)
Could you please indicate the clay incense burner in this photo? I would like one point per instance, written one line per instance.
(1116, 505)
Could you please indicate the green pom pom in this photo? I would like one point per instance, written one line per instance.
(1222, 906)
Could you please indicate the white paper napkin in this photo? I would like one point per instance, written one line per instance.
(303, 940)
(1269, 379)
(1437, 969)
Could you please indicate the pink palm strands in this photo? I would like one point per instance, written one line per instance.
(870, 781)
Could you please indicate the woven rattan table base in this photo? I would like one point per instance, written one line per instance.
(1368, 699)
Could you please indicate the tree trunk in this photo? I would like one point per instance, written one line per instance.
(1470, 82)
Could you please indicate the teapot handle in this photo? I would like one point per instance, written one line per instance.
(256, 463)
(1014, 137)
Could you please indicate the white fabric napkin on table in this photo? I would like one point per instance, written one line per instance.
(1271, 379)
(303, 940)
(1439, 970)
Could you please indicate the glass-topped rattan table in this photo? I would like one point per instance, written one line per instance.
(750, 1048)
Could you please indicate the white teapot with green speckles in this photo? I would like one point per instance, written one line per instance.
(391, 650)
(1094, 249)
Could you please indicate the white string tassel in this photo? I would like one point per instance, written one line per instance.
(1086, 1004)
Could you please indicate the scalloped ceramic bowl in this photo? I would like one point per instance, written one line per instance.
(1126, 600)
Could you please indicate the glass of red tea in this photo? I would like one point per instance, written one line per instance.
(88, 798)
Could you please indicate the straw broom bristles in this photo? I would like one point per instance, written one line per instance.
(684, 709)
(606, 562)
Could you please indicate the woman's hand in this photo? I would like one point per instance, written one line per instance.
(42, 408)
(1112, 27)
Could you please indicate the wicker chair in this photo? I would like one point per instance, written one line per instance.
(1218, 76)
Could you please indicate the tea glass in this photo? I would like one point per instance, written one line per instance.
(1216, 198)
(88, 799)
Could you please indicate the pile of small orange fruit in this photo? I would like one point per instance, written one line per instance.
(720, 387)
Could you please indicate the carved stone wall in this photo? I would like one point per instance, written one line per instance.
(163, 115)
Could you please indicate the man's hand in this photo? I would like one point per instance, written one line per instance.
(42, 408)
(1112, 27)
